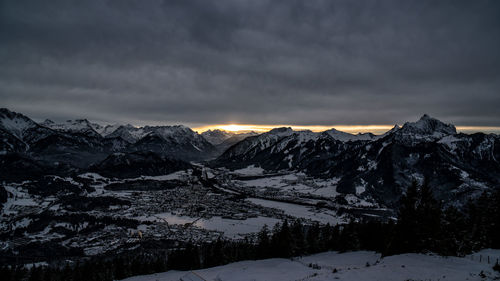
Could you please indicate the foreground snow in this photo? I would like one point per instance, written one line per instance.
(348, 266)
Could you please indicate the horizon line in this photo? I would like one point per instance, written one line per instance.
(375, 129)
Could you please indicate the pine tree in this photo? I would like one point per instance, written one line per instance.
(429, 220)
(495, 220)
(348, 239)
(263, 243)
(455, 233)
(119, 268)
(6, 272)
(35, 274)
(48, 274)
(406, 237)
(313, 239)
(281, 242)
(298, 243)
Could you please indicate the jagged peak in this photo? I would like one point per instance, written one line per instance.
(84, 120)
(47, 122)
(344, 136)
(6, 113)
(281, 130)
(428, 125)
(392, 130)
(15, 123)
(395, 128)
(128, 126)
(214, 131)
(179, 133)
(334, 132)
(76, 125)
(165, 127)
(217, 132)
(368, 134)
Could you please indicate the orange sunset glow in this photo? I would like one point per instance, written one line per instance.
(353, 129)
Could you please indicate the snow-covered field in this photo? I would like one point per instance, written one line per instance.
(250, 171)
(236, 228)
(294, 182)
(349, 266)
(230, 227)
(323, 216)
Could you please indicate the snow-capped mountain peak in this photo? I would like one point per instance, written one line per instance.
(428, 126)
(394, 129)
(175, 131)
(47, 122)
(105, 130)
(281, 132)
(217, 136)
(128, 133)
(390, 132)
(15, 123)
(73, 126)
(344, 137)
(80, 126)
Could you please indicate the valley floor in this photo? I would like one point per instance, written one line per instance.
(89, 215)
(356, 266)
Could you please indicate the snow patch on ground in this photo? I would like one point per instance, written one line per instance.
(300, 211)
(450, 142)
(250, 171)
(231, 228)
(356, 201)
(236, 228)
(361, 188)
(350, 266)
(297, 182)
(179, 175)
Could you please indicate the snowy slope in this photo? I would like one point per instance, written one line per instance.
(15, 123)
(216, 137)
(343, 136)
(82, 126)
(351, 266)
(425, 129)
(177, 133)
(128, 133)
(222, 140)
(106, 130)
(251, 146)
(380, 166)
(18, 132)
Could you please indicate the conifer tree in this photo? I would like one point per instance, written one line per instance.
(263, 243)
(281, 241)
(298, 243)
(313, 238)
(35, 274)
(428, 219)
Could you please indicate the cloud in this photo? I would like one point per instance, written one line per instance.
(264, 62)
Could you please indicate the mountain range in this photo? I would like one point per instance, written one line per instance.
(28, 148)
(222, 140)
(456, 166)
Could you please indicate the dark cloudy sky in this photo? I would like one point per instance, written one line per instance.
(255, 62)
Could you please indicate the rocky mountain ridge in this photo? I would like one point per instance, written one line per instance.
(456, 165)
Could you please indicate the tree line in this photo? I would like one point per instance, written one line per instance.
(423, 225)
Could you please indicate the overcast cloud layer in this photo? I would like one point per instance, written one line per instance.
(255, 62)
